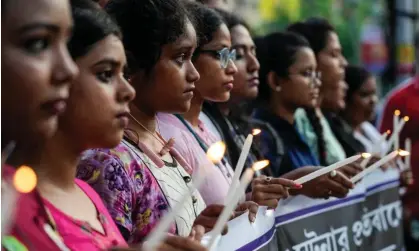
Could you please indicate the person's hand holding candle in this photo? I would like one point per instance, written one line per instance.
(332, 184)
(351, 169)
(248, 206)
(267, 191)
(209, 216)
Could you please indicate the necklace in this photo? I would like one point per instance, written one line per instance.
(158, 138)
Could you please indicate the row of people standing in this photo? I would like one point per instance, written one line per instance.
(112, 92)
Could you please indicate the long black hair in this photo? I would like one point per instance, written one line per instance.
(147, 26)
(207, 21)
(316, 31)
(355, 77)
(91, 24)
(276, 52)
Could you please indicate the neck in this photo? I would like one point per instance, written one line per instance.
(192, 116)
(224, 108)
(349, 119)
(58, 163)
(147, 119)
(283, 111)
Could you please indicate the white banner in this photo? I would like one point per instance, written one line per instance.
(369, 219)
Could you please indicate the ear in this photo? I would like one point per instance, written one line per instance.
(273, 81)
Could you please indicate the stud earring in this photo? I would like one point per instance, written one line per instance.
(278, 88)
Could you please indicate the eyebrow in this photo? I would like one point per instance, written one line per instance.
(40, 25)
(242, 46)
(111, 61)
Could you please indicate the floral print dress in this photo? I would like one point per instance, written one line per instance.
(138, 188)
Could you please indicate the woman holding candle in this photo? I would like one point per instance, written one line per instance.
(99, 54)
(215, 36)
(361, 100)
(231, 121)
(311, 123)
(288, 81)
(36, 74)
(142, 177)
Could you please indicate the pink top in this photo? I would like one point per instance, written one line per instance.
(218, 178)
(30, 220)
(78, 235)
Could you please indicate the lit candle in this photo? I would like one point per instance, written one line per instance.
(378, 144)
(377, 164)
(240, 163)
(395, 130)
(367, 158)
(394, 139)
(408, 148)
(229, 208)
(328, 169)
(215, 153)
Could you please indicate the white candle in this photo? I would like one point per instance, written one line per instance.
(328, 169)
(229, 208)
(378, 145)
(215, 153)
(367, 158)
(408, 148)
(374, 166)
(395, 136)
(240, 163)
(239, 167)
(395, 126)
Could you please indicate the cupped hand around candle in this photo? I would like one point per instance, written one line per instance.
(172, 243)
(267, 191)
(250, 206)
(209, 216)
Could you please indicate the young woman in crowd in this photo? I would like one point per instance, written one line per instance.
(142, 177)
(361, 99)
(214, 61)
(289, 80)
(264, 191)
(36, 74)
(311, 123)
(99, 54)
(230, 120)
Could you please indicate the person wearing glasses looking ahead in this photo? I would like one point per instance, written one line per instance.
(214, 62)
(289, 81)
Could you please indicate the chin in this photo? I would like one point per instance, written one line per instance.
(221, 99)
(47, 128)
(112, 142)
(252, 94)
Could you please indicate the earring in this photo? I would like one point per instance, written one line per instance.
(278, 88)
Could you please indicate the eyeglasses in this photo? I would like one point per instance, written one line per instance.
(224, 55)
(312, 74)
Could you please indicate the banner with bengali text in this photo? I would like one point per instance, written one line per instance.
(368, 219)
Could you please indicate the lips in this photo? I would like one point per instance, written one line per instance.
(254, 81)
(123, 118)
(55, 106)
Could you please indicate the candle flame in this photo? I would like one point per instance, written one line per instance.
(403, 153)
(388, 132)
(397, 112)
(256, 131)
(24, 179)
(260, 165)
(406, 118)
(216, 151)
(366, 155)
